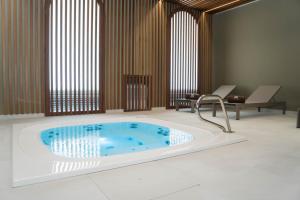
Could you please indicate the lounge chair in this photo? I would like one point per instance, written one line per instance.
(262, 97)
(223, 91)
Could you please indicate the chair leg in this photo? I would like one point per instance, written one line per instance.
(238, 113)
(214, 107)
(193, 105)
(177, 105)
(259, 109)
(284, 109)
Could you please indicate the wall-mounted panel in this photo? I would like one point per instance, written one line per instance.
(136, 92)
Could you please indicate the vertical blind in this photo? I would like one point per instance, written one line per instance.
(183, 56)
(75, 61)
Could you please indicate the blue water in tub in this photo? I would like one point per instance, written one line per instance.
(107, 139)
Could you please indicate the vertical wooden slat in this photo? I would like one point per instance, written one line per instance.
(112, 55)
(142, 14)
(159, 52)
(26, 30)
(205, 53)
(9, 47)
(32, 56)
(169, 61)
(156, 52)
(184, 66)
(52, 100)
(92, 51)
(102, 57)
(60, 78)
(37, 59)
(1, 64)
(66, 92)
(136, 91)
(80, 64)
(125, 42)
(174, 62)
(69, 58)
(3, 39)
(77, 56)
(21, 89)
(131, 98)
(88, 66)
(124, 93)
(76, 65)
(182, 58)
(188, 77)
(177, 80)
(150, 92)
(193, 56)
(163, 67)
(146, 53)
(48, 52)
(200, 55)
(152, 41)
(9, 56)
(118, 54)
(43, 55)
(123, 46)
(56, 57)
(108, 44)
(15, 56)
(96, 102)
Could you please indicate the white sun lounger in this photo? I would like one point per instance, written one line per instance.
(262, 97)
(223, 91)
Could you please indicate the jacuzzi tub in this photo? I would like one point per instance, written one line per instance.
(34, 162)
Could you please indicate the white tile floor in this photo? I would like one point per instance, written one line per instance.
(265, 167)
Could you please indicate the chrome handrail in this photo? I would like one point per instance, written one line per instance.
(200, 101)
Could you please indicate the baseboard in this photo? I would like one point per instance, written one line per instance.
(22, 116)
(116, 111)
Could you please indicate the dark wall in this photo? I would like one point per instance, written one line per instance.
(259, 44)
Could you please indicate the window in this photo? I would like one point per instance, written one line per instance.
(183, 73)
(75, 68)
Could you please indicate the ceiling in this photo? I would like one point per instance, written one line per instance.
(212, 6)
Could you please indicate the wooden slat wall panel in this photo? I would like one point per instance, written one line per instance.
(182, 60)
(135, 43)
(21, 57)
(2, 55)
(74, 74)
(205, 54)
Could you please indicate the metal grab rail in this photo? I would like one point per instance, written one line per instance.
(200, 100)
